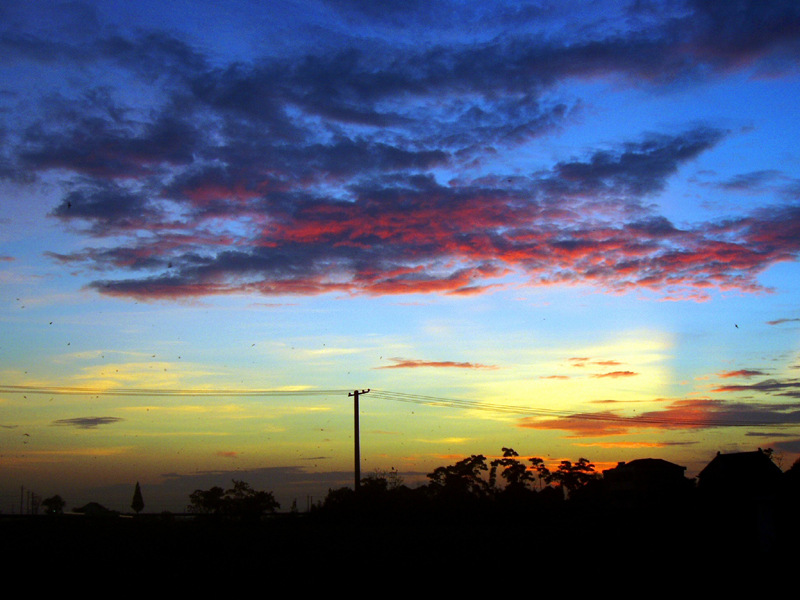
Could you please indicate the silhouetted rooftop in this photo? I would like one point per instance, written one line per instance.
(727, 470)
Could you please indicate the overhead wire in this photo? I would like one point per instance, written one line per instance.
(650, 419)
(159, 392)
(420, 399)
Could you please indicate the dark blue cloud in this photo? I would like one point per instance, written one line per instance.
(87, 422)
(325, 171)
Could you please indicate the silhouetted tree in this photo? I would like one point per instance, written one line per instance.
(379, 494)
(239, 501)
(541, 469)
(516, 474)
(53, 505)
(574, 476)
(207, 502)
(242, 500)
(390, 480)
(374, 484)
(137, 504)
(463, 479)
(339, 499)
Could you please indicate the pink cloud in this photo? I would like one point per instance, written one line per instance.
(740, 373)
(615, 374)
(678, 415)
(401, 363)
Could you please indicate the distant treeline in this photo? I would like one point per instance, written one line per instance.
(476, 510)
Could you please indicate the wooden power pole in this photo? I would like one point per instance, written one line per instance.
(356, 435)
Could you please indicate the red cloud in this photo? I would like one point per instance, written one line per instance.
(582, 425)
(583, 361)
(741, 373)
(780, 321)
(206, 203)
(616, 374)
(401, 363)
(578, 361)
(441, 240)
(680, 414)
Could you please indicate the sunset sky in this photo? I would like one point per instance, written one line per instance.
(566, 227)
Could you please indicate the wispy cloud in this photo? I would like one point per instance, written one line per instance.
(741, 373)
(578, 361)
(781, 321)
(691, 414)
(582, 361)
(403, 363)
(616, 374)
(87, 422)
(785, 387)
(635, 445)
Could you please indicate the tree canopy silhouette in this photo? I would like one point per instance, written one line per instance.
(239, 501)
(54, 505)
(573, 476)
(518, 479)
(461, 480)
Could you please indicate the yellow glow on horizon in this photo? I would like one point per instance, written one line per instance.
(450, 440)
(622, 445)
(153, 374)
(182, 434)
(183, 409)
(634, 366)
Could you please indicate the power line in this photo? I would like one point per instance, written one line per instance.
(155, 392)
(421, 399)
(651, 419)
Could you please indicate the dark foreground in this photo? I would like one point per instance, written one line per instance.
(443, 545)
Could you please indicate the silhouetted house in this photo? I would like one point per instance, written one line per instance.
(645, 481)
(740, 493)
(93, 509)
(740, 476)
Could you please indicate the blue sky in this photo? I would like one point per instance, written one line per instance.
(539, 209)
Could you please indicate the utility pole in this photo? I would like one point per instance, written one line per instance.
(356, 436)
